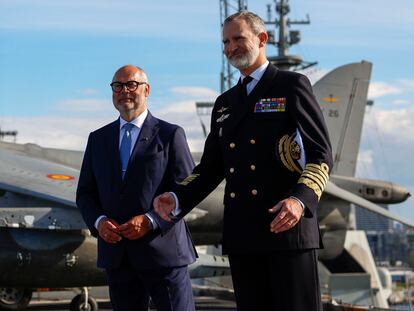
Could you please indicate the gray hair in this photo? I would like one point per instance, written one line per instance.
(254, 21)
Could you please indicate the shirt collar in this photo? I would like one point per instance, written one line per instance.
(258, 73)
(138, 121)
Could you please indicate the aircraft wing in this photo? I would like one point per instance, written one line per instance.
(196, 213)
(36, 177)
(345, 195)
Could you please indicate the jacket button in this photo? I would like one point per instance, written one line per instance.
(232, 195)
(253, 167)
(231, 170)
(254, 192)
(252, 141)
(232, 145)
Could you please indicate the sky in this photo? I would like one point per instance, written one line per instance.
(57, 59)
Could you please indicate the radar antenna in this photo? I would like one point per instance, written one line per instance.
(287, 37)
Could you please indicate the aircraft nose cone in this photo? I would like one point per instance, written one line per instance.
(399, 193)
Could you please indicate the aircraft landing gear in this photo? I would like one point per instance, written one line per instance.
(78, 302)
(14, 298)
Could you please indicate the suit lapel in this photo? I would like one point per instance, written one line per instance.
(237, 100)
(113, 150)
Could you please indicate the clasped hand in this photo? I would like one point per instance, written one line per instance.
(164, 204)
(133, 229)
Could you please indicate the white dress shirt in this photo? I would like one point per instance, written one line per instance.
(256, 75)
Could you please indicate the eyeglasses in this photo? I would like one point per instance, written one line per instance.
(131, 86)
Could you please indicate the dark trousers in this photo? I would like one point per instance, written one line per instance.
(169, 288)
(282, 281)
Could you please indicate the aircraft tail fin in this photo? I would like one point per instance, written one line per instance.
(342, 95)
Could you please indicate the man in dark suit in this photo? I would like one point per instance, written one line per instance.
(126, 164)
(269, 141)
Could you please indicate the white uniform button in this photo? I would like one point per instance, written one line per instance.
(252, 141)
(254, 192)
(232, 195)
(232, 145)
(231, 170)
(253, 167)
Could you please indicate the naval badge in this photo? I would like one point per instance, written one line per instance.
(222, 118)
(222, 109)
(271, 105)
(289, 151)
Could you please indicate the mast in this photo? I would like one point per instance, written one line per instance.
(287, 37)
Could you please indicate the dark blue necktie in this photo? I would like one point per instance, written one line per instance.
(125, 149)
(246, 80)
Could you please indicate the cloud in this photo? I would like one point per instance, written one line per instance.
(55, 131)
(85, 105)
(379, 89)
(366, 157)
(197, 93)
(401, 102)
(365, 163)
(89, 92)
(407, 84)
(185, 115)
(393, 125)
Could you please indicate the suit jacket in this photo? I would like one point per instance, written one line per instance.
(252, 145)
(160, 159)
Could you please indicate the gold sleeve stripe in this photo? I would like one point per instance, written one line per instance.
(312, 185)
(189, 179)
(322, 167)
(318, 173)
(315, 178)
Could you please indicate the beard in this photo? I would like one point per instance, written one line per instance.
(246, 59)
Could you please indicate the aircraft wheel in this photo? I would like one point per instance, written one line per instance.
(78, 304)
(14, 298)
